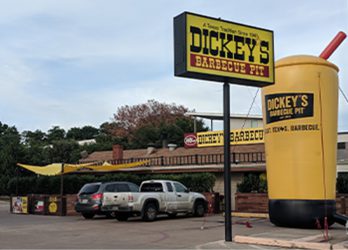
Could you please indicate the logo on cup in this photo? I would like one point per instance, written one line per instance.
(190, 140)
(286, 106)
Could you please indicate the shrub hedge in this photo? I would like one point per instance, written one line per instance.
(342, 183)
(253, 183)
(198, 182)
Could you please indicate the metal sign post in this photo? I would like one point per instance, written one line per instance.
(227, 163)
(213, 49)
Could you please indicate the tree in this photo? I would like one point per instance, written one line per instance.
(152, 122)
(34, 137)
(34, 144)
(130, 118)
(55, 134)
(64, 151)
(146, 135)
(10, 152)
(86, 132)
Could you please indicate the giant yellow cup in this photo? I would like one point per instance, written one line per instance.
(300, 121)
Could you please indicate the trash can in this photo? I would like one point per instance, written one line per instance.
(300, 122)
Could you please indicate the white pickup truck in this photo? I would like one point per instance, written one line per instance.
(155, 197)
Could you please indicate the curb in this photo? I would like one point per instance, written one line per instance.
(4, 198)
(250, 215)
(281, 243)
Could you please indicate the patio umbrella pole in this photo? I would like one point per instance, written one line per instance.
(61, 189)
(17, 173)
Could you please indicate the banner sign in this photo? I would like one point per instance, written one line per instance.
(287, 106)
(238, 137)
(19, 205)
(190, 140)
(39, 206)
(53, 204)
(217, 50)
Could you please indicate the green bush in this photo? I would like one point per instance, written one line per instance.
(198, 182)
(342, 183)
(253, 183)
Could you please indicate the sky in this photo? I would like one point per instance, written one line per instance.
(72, 63)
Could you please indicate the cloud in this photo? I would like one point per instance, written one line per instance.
(72, 63)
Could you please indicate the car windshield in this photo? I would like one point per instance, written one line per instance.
(90, 189)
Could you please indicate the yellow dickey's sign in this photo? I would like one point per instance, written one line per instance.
(217, 50)
(237, 137)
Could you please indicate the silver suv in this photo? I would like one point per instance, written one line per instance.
(90, 197)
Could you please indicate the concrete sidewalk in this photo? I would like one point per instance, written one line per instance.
(260, 233)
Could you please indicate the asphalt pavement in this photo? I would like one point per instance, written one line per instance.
(184, 232)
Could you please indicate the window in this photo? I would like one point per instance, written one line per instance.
(254, 123)
(110, 188)
(122, 187)
(152, 187)
(90, 189)
(133, 187)
(179, 187)
(169, 187)
(341, 145)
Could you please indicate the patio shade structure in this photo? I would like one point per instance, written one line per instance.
(63, 168)
(60, 168)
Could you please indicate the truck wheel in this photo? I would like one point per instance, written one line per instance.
(121, 216)
(199, 209)
(88, 215)
(150, 212)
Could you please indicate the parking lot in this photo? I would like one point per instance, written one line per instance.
(39, 232)
(74, 232)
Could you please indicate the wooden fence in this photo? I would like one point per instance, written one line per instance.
(204, 159)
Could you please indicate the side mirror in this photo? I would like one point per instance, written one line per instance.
(187, 190)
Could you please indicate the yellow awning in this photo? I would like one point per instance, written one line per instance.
(56, 168)
(109, 167)
(51, 169)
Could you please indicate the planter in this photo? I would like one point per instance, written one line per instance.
(251, 202)
(342, 203)
(258, 203)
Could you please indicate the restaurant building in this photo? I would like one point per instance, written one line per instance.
(246, 157)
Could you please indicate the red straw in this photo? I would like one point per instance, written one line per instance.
(327, 52)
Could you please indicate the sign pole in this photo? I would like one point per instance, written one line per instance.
(204, 52)
(227, 162)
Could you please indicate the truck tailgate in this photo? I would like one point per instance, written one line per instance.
(115, 199)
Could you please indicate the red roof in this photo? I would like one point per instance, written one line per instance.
(165, 152)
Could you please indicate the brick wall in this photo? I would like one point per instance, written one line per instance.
(219, 185)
